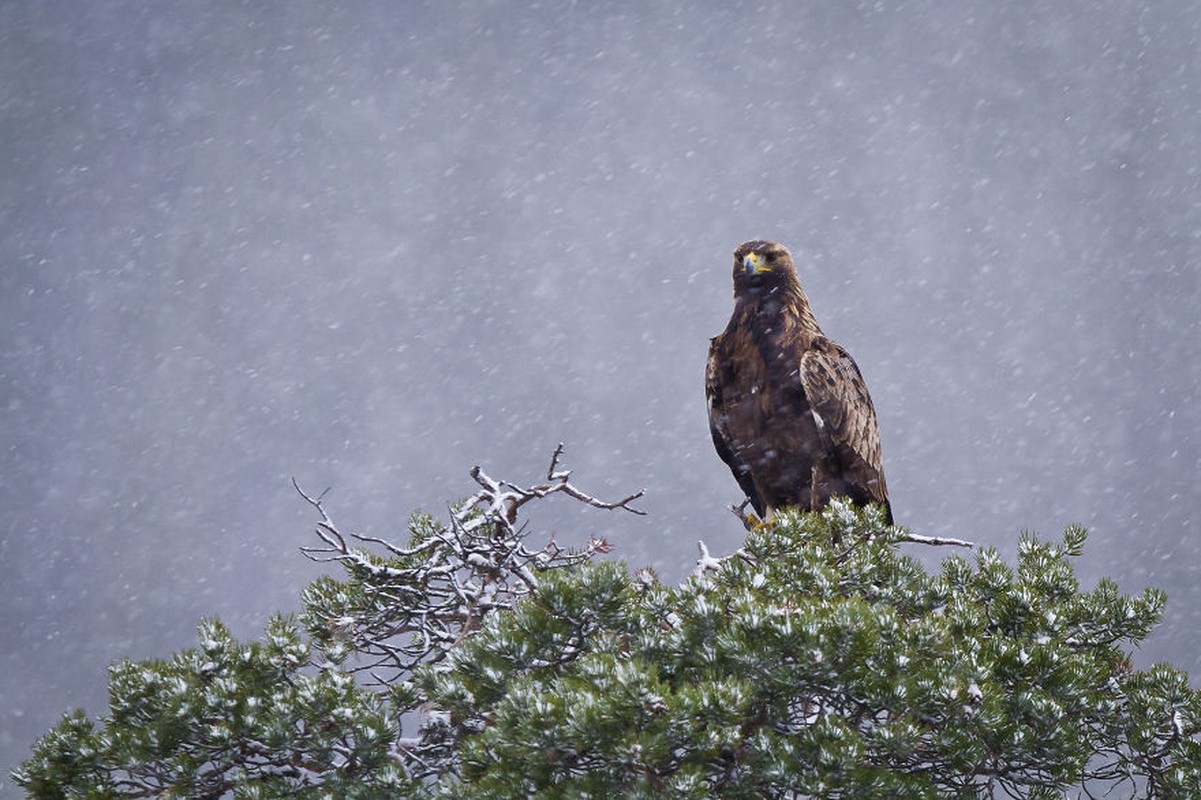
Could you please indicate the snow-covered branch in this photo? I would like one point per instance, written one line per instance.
(406, 605)
(937, 541)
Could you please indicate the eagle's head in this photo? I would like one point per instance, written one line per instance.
(762, 264)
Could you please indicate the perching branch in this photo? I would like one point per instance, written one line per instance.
(749, 521)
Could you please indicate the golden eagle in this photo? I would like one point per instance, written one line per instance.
(788, 409)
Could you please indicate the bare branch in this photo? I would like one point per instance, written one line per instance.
(624, 503)
(315, 502)
(410, 604)
(748, 520)
(551, 475)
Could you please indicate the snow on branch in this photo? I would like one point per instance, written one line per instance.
(515, 497)
(937, 541)
(402, 606)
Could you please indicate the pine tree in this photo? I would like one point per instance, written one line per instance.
(817, 661)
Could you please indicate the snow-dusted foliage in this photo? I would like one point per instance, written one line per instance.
(318, 715)
(220, 719)
(817, 662)
(821, 663)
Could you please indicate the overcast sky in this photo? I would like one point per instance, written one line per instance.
(374, 245)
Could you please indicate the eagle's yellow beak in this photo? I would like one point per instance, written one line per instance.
(754, 264)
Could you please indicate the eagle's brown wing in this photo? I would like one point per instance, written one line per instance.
(719, 421)
(846, 418)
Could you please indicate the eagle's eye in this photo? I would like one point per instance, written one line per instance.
(772, 256)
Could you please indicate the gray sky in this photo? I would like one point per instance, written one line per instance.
(374, 245)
